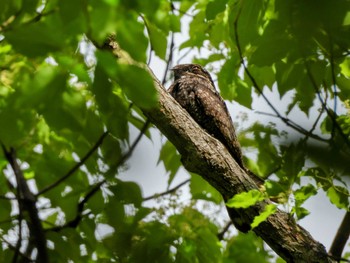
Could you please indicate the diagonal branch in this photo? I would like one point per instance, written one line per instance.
(75, 167)
(341, 238)
(170, 191)
(94, 189)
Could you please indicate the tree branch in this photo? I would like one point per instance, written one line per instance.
(170, 191)
(341, 238)
(75, 167)
(224, 230)
(27, 202)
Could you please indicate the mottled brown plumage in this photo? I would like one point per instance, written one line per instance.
(194, 90)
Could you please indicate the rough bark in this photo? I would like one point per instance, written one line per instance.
(207, 157)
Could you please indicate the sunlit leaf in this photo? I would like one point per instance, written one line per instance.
(339, 196)
(245, 199)
(269, 210)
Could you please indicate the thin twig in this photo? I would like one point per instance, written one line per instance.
(331, 115)
(170, 191)
(7, 198)
(223, 232)
(27, 259)
(315, 123)
(170, 58)
(334, 81)
(75, 167)
(307, 133)
(133, 146)
(80, 208)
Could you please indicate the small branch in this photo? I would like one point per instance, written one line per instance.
(331, 115)
(314, 125)
(80, 207)
(170, 58)
(341, 237)
(170, 191)
(7, 198)
(334, 81)
(133, 146)
(305, 132)
(27, 259)
(75, 167)
(223, 232)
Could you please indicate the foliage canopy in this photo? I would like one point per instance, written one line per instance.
(67, 107)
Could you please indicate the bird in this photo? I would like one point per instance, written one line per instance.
(194, 89)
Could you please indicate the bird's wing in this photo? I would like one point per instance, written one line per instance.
(216, 112)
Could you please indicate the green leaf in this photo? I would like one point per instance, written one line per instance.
(269, 210)
(197, 25)
(250, 13)
(38, 39)
(268, 156)
(215, 7)
(264, 76)
(288, 76)
(135, 81)
(339, 196)
(8, 8)
(5, 210)
(245, 199)
(102, 18)
(201, 189)
(96, 203)
(246, 248)
(272, 46)
(131, 37)
(127, 193)
(293, 162)
(73, 17)
(244, 93)
(113, 107)
(345, 65)
(300, 212)
(226, 78)
(138, 85)
(171, 160)
(158, 40)
(304, 193)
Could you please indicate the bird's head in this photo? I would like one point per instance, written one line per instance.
(196, 69)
